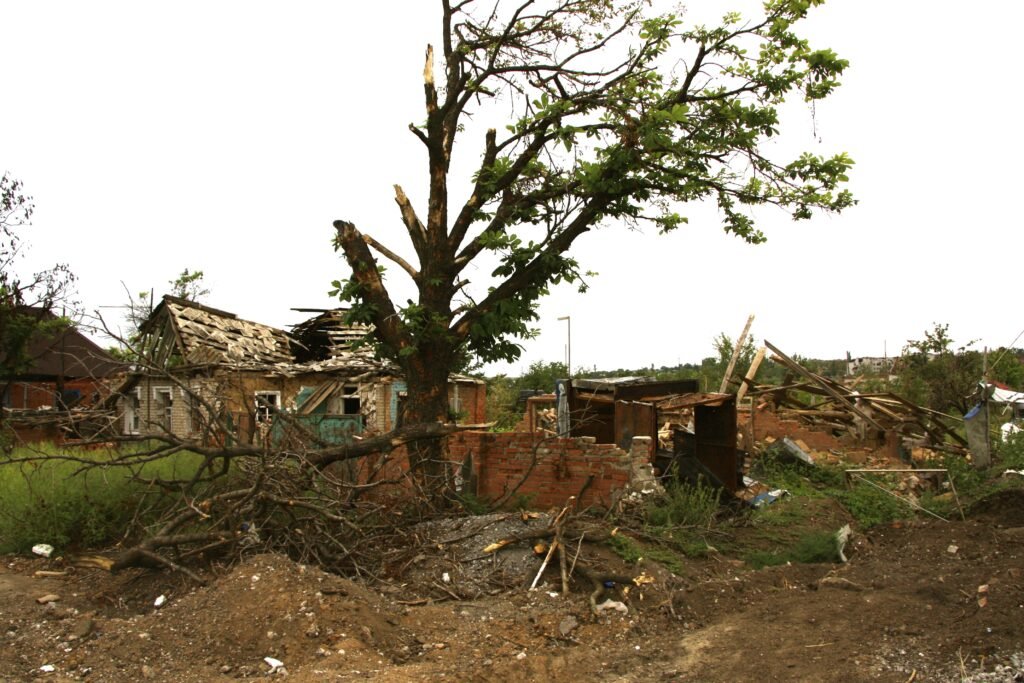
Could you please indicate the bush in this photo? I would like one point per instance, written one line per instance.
(684, 504)
(1011, 452)
(871, 506)
(60, 503)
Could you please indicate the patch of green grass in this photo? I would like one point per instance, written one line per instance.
(871, 506)
(632, 552)
(625, 547)
(776, 468)
(781, 513)
(61, 503)
(473, 504)
(817, 547)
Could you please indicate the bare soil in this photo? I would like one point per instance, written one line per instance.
(921, 601)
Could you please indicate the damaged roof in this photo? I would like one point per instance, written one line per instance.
(182, 333)
(201, 335)
(327, 335)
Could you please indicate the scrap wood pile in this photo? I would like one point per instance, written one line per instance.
(862, 416)
(459, 558)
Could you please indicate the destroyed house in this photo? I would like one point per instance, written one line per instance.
(264, 383)
(692, 433)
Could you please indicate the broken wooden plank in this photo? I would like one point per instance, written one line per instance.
(736, 354)
(751, 372)
(799, 369)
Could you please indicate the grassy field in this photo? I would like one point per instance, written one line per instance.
(47, 499)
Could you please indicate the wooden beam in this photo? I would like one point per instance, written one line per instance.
(736, 354)
(749, 377)
(799, 369)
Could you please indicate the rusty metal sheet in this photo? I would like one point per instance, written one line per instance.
(715, 430)
(633, 418)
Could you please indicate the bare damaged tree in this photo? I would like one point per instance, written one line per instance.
(618, 117)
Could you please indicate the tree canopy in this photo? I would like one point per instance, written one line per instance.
(27, 301)
(618, 117)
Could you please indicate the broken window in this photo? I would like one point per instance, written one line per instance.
(267, 403)
(350, 400)
(196, 423)
(131, 412)
(345, 402)
(163, 406)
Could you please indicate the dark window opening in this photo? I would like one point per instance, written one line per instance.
(350, 401)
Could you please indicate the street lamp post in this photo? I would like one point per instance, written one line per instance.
(568, 344)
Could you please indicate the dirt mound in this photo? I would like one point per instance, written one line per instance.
(267, 606)
(926, 601)
(1005, 507)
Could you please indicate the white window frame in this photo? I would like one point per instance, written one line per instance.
(349, 392)
(165, 419)
(262, 415)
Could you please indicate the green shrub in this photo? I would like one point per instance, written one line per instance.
(61, 503)
(473, 504)
(778, 468)
(625, 547)
(871, 506)
(683, 504)
(1011, 453)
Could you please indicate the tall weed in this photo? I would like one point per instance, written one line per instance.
(684, 504)
(56, 501)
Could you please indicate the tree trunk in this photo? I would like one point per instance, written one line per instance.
(426, 374)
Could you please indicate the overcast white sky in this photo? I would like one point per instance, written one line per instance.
(226, 137)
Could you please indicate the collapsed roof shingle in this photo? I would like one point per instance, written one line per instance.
(208, 336)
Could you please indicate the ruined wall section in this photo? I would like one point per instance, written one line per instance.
(555, 469)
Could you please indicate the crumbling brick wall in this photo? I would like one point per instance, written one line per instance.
(564, 467)
(767, 423)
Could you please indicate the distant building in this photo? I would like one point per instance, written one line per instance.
(868, 365)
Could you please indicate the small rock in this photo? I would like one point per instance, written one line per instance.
(147, 671)
(83, 628)
(568, 625)
(952, 549)
(49, 597)
(225, 669)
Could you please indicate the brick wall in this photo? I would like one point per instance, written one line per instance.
(768, 423)
(563, 467)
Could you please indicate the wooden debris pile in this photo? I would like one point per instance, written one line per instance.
(846, 412)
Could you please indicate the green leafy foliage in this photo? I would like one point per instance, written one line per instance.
(1011, 453)
(871, 506)
(684, 504)
(593, 140)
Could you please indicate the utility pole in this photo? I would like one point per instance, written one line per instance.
(568, 345)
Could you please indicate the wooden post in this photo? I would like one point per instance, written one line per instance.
(736, 354)
(748, 378)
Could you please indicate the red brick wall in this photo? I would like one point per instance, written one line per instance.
(767, 423)
(561, 470)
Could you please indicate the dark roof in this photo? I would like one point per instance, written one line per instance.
(327, 336)
(67, 353)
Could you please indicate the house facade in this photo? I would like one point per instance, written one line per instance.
(206, 374)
